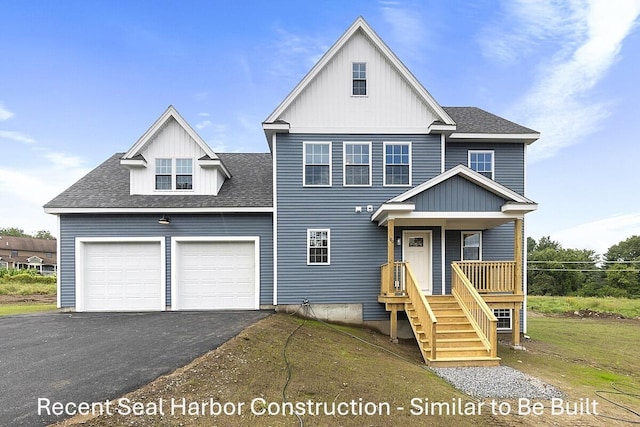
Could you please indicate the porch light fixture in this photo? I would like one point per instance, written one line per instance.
(399, 241)
(165, 220)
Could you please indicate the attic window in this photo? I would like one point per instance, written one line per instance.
(184, 174)
(359, 79)
(163, 174)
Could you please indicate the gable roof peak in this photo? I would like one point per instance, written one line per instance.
(169, 114)
(360, 24)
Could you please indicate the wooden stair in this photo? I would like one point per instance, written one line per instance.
(457, 342)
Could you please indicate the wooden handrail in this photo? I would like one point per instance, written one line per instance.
(492, 276)
(422, 308)
(480, 315)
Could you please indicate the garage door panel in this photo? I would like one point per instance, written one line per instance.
(121, 276)
(215, 275)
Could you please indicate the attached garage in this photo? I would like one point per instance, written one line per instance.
(215, 273)
(120, 274)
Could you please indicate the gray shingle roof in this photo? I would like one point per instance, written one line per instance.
(107, 186)
(476, 120)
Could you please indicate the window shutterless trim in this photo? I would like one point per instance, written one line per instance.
(384, 163)
(493, 161)
(344, 164)
(462, 233)
(328, 247)
(305, 145)
(504, 313)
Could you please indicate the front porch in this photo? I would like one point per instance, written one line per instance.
(460, 328)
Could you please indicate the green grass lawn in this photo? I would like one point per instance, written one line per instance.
(629, 308)
(24, 308)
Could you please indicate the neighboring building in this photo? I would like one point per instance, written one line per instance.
(28, 253)
(373, 200)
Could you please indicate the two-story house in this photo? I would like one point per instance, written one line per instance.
(28, 253)
(374, 201)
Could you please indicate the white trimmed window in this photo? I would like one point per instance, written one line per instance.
(184, 174)
(318, 246)
(397, 164)
(482, 162)
(504, 318)
(359, 79)
(317, 164)
(357, 164)
(164, 172)
(471, 246)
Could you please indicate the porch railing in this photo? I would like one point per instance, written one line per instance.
(481, 316)
(491, 276)
(426, 317)
(396, 284)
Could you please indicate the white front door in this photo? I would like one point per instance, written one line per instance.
(416, 250)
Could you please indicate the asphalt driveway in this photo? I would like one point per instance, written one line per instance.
(92, 357)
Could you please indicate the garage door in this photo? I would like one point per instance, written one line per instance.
(215, 275)
(120, 276)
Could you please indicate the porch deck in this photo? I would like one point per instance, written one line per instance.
(458, 329)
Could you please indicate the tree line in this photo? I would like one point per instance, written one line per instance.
(554, 270)
(19, 232)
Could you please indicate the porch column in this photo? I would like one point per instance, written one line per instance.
(391, 249)
(517, 256)
(393, 321)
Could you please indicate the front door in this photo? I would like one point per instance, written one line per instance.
(416, 250)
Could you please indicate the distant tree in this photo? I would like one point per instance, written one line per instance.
(13, 231)
(626, 250)
(531, 244)
(557, 271)
(44, 234)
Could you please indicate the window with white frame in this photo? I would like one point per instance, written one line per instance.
(504, 317)
(357, 164)
(471, 245)
(397, 163)
(318, 246)
(184, 174)
(481, 162)
(317, 164)
(163, 174)
(359, 79)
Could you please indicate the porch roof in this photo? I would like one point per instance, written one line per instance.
(402, 208)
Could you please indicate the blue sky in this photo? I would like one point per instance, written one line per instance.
(81, 80)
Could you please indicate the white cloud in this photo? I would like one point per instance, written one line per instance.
(4, 113)
(63, 161)
(16, 136)
(599, 235)
(407, 26)
(203, 124)
(588, 37)
(295, 54)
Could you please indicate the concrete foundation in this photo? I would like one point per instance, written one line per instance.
(338, 313)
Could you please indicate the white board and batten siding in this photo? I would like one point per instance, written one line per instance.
(390, 106)
(215, 273)
(174, 142)
(120, 274)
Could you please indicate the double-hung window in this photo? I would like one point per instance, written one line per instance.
(359, 79)
(471, 245)
(357, 164)
(317, 164)
(184, 174)
(397, 163)
(504, 318)
(163, 174)
(482, 162)
(318, 246)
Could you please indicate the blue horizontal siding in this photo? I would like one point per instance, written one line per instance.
(358, 246)
(72, 226)
(508, 161)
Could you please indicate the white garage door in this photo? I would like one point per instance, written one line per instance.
(120, 276)
(210, 275)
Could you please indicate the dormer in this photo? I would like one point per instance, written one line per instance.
(170, 158)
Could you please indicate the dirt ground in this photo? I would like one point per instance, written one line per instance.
(35, 299)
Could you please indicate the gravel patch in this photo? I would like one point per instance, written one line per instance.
(499, 381)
